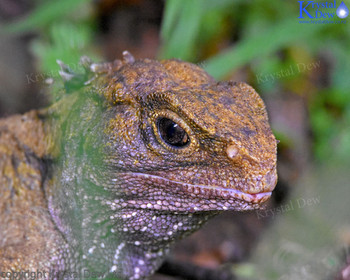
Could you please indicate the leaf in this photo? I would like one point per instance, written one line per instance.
(67, 42)
(171, 12)
(44, 14)
(340, 75)
(273, 39)
(180, 28)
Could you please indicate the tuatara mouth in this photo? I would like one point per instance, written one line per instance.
(201, 191)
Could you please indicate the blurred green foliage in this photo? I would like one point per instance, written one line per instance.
(224, 36)
(66, 29)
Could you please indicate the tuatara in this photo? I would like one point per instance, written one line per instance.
(135, 155)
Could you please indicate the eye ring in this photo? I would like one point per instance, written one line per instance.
(185, 143)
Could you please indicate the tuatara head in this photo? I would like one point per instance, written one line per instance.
(196, 143)
(149, 151)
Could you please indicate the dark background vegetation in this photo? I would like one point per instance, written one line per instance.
(301, 70)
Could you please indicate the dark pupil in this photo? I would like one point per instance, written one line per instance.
(172, 133)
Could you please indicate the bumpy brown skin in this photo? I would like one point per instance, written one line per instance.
(222, 117)
(26, 229)
(153, 193)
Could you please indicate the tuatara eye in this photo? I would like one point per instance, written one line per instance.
(172, 133)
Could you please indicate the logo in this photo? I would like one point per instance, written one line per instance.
(342, 11)
(322, 12)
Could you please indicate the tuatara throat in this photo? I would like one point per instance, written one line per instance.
(135, 155)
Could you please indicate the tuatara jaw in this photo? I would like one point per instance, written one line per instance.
(209, 197)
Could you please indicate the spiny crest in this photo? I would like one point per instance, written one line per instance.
(76, 80)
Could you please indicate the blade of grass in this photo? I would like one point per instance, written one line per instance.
(171, 13)
(275, 38)
(341, 70)
(43, 14)
(180, 42)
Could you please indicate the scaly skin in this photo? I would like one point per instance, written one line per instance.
(140, 154)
